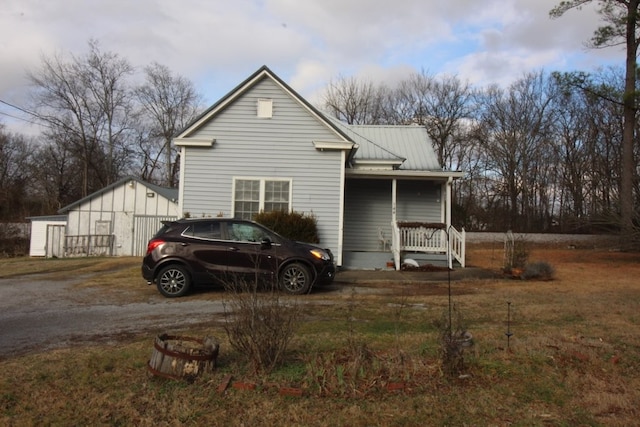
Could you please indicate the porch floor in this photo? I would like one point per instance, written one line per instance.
(377, 260)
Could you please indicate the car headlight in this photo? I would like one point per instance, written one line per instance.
(320, 254)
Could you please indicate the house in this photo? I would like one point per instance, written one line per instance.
(116, 220)
(377, 192)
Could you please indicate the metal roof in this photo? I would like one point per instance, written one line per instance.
(169, 193)
(409, 146)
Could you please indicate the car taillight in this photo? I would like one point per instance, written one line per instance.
(154, 244)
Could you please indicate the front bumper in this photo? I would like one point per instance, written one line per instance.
(327, 274)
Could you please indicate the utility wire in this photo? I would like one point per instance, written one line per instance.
(31, 113)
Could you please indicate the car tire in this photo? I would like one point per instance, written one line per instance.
(173, 281)
(295, 279)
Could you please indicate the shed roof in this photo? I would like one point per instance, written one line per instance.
(170, 194)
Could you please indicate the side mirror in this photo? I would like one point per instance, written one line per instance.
(265, 243)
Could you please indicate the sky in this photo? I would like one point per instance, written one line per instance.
(218, 43)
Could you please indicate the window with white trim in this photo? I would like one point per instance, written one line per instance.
(253, 195)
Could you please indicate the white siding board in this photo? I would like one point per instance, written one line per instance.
(368, 207)
(418, 201)
(280, 147)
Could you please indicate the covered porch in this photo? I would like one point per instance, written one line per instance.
(398, 217)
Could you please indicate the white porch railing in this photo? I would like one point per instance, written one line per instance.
(427, 238)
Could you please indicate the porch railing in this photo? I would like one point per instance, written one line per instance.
(427, 238)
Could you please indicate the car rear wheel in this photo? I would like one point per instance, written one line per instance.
(173, 281)
(295, 279)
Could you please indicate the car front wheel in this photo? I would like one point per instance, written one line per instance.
(295, 279)
(173, 281)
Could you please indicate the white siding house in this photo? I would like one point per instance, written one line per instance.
(372, 189)
(118, 219)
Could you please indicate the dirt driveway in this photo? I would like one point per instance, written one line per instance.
(38, 314)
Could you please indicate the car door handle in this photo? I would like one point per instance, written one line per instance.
(184, 244)
(233, 249)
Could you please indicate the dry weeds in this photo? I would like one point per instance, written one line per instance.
(573, 359)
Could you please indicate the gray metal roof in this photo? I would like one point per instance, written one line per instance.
(409, 145)
(169, 193)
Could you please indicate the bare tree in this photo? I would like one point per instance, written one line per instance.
(621, 27)
(442, 105)
(513, 132)
(53, 167)
(355, 101)
(86, 99)
(171, 102)
(15, 154)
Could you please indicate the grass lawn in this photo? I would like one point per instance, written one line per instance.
(573, 358)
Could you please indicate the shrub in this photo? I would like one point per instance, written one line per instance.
(516, 252)
(538, 270)
(292, 225)
(454, 340)
(259, 321)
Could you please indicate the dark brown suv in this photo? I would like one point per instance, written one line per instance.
(190, 252)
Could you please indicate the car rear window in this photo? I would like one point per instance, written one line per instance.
(204, 230)
(165, 228)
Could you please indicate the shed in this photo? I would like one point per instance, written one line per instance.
(118, 219)
(47, 233)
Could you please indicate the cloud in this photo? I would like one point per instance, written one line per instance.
(218, 43)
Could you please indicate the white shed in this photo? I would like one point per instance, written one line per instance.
(119, 219)
(44, 230)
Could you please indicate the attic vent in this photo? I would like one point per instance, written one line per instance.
(265, 108)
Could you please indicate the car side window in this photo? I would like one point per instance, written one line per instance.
(242, 232)
(204, 230)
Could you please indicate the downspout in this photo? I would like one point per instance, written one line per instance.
(448, 220)
(183, 161)
(343, 173)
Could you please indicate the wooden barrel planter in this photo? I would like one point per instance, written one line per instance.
(179, 357)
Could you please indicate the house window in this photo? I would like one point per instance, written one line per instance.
(265, 108)
(255, 195)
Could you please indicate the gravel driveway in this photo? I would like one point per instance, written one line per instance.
(38, 314)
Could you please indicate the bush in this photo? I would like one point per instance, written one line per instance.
(259, 322)
(292, 225)
(538, 270)
(14, 240)
(516, 252)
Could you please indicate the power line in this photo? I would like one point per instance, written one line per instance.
(19, 118)
(31, 113)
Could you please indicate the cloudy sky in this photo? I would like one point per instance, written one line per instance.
(218, 43)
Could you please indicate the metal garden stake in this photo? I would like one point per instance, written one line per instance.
(508, 334)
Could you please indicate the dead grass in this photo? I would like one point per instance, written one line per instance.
(573, 359)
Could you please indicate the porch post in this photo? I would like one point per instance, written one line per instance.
(395, 245)
(394, 184)
(448, 202)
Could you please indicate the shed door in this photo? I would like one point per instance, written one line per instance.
(144, 228)
(55, 241)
